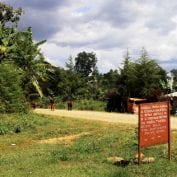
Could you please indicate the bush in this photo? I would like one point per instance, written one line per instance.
(89, 105)
(18, 122)
(11, 95)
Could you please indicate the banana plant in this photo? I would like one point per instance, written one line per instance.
(18, 46)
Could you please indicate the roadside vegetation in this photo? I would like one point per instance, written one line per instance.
(83, 104)
(82, 149)
(28, 78)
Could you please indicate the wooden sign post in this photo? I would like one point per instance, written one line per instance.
(154, 126)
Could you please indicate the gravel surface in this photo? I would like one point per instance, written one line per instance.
(102, 116)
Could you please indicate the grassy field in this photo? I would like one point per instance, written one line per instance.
(40, 146)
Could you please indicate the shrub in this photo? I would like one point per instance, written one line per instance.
(89, 105)
(11, 95)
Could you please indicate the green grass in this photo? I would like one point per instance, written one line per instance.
(89, 105)
(84, 157)
(77, 104)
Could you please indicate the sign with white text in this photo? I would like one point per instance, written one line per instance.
(154, 124)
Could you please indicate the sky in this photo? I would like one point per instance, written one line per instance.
(106, 27)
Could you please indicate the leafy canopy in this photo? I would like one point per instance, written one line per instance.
(85, 63)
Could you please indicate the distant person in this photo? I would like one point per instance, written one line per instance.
(33, 105)
(52, 101)
(70, 105)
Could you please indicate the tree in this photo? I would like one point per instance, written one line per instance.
(148, 74)
(27, 56)
(109, 79)
(65, 83)
(127, 77)
(85, 63)
(174, 75)
(141, 78)
(18, 46)
(8, 14)
(70, 64)
(11, 94)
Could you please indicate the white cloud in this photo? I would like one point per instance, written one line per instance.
(106, 27)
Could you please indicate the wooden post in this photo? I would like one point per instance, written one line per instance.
(169, 133)
(139, 148)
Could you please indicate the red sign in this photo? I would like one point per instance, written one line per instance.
(154, 125)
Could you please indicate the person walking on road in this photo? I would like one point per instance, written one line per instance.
(70, 105)
(52, 101)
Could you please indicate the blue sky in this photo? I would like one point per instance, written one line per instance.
(106, 27)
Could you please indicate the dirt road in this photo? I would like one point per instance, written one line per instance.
(101, 116)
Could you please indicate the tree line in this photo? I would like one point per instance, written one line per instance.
(25, 75)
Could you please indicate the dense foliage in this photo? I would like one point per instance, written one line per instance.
(85, 63)
(18, 47)
(11, 95)
(81, 80)
(141, 78)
